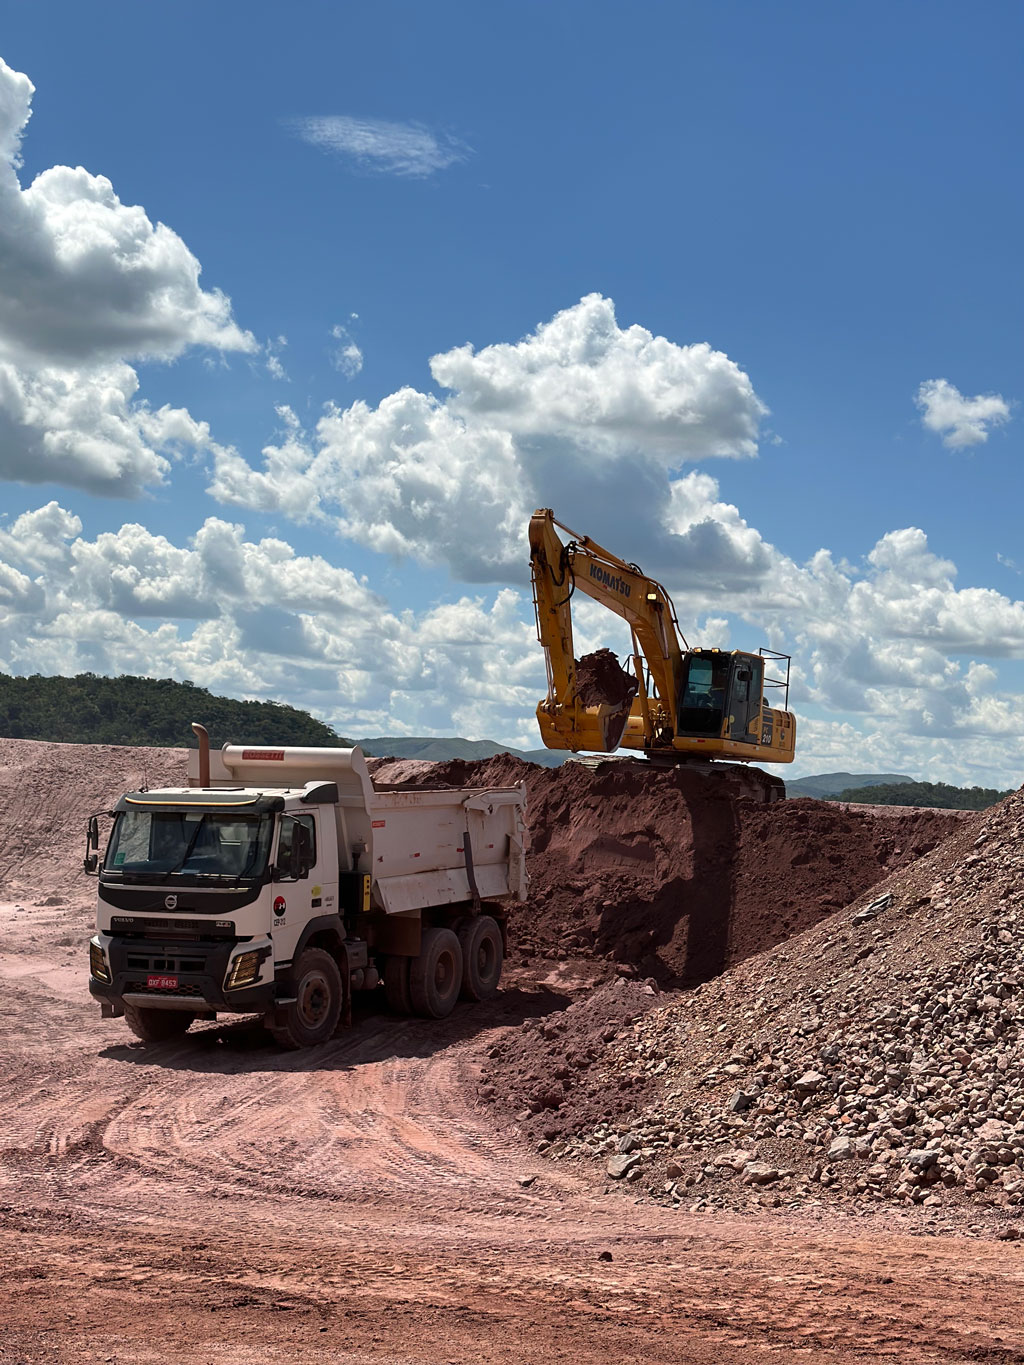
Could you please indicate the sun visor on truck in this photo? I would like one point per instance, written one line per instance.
(243, 802)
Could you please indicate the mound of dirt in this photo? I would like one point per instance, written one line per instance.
(664, 873)
(549, 1070)
(877, 1057)
(48, 792)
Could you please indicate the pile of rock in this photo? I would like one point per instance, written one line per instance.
(878, 1055)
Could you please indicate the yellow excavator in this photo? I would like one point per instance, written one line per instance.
(679, 704)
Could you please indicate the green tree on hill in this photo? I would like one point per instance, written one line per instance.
(89, 709)
(923, 794)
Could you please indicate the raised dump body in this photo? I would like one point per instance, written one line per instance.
(280, 880)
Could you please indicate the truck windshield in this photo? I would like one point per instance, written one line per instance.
(159, 844)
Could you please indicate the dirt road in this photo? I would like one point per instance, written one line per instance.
(217, 1200)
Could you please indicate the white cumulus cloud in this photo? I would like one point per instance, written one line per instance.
(583, 415)
(88, 284)
(896, 668)
(960, 421)
(254, 618)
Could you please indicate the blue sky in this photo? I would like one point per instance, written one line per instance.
(735, 289)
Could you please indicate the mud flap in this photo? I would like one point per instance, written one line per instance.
(345, 1017)
(109, 1010)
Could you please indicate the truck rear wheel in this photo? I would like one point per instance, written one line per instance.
(313, 1015)
(435, 977)
(396, 983)
(482, 957)
(156, 1026)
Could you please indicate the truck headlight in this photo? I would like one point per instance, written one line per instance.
(245, 969)
(98, 962)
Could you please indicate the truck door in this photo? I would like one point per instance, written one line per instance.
(295, 870)
(305, 875)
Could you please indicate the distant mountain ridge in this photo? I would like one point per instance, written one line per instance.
(831, 784)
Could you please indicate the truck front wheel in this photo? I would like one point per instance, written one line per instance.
(156, 1026)
(482, 957)
(313, 1015)
(435, 977)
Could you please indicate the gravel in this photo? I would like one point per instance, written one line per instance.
(876, 1058)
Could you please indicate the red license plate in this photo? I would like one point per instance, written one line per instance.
(162, 983)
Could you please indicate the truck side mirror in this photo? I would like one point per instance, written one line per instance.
(92, 842)
(302, 852)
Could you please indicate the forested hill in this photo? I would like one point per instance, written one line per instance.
(923, 794)
(88, 709)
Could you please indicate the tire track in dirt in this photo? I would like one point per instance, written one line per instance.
(356, 1195)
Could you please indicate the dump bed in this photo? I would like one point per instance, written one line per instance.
(421, 846)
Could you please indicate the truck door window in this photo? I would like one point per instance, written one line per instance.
(286, 842)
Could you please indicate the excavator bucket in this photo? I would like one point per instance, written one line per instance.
(604, 693)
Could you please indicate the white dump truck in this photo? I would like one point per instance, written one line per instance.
(280, 880)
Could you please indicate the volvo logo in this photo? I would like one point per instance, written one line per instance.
(171, 902)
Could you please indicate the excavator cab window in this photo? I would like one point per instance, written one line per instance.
(703, 697)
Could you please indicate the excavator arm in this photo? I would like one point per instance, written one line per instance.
(570, 716)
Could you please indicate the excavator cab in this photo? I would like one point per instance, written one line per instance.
(721, 695)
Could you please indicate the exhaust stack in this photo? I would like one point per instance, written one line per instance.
(203, 737)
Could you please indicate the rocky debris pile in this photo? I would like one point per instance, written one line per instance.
(552, 1073)
(879, 1056)
(666, 873)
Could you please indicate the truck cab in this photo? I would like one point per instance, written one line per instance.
(205, 896)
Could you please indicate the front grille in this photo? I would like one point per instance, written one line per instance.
(140, 988)
(178, 928)
(165, 964)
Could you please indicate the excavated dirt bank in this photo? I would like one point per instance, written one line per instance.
(663, 873)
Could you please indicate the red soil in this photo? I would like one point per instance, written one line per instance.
(667, 874)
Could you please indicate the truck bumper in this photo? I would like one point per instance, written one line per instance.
(198, 972)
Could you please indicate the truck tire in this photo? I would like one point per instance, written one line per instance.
(313, 1015)
(435, 977)
(156, 1026)
(396, 983)
(482, 957)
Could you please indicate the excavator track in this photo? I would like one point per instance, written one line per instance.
(749, 784)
